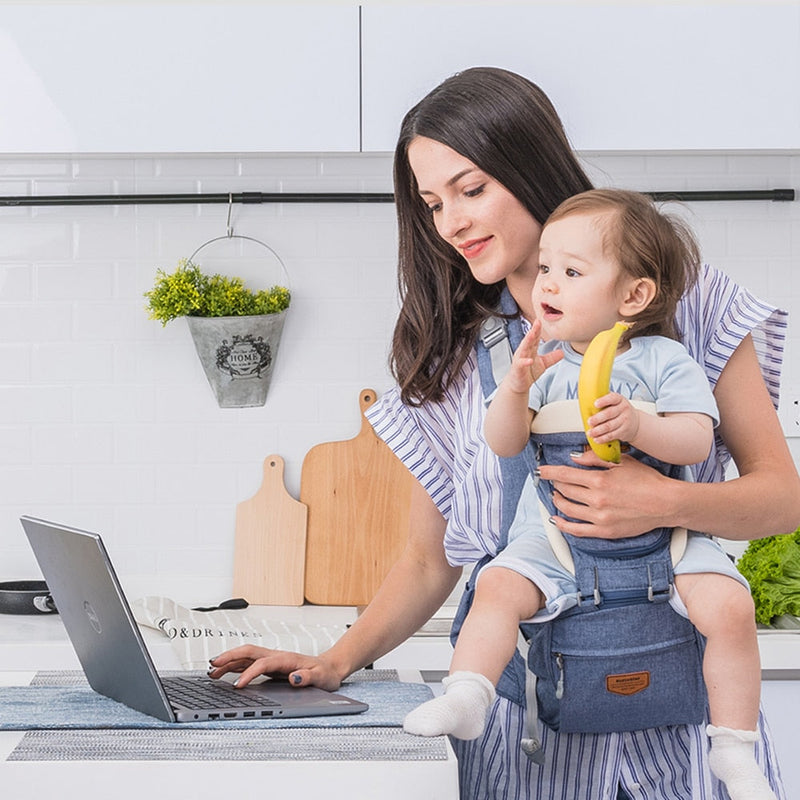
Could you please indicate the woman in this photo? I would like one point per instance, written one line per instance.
(480, 164)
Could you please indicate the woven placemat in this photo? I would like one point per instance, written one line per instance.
(272, 740)
(298, 744)
(75, 677)
(63, 701)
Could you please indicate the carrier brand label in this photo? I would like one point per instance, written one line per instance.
(627, 683)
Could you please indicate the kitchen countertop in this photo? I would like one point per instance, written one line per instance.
(31, 642)
(39, 642)
(335, 779)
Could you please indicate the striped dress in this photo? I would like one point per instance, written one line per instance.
(443, 446)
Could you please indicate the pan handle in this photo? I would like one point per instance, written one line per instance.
(26, 597)
(45, 603)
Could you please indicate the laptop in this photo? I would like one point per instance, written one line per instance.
(112, 652)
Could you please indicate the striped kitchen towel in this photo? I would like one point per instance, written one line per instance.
(197, 636)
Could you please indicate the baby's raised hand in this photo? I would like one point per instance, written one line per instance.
(527, 365)
(616, 418)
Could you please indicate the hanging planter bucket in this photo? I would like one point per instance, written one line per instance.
(238, 355)
(236, 330)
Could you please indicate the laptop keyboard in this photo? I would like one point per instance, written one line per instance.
(203, 693)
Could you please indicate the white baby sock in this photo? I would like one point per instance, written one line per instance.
(732, 760)
(461, 710)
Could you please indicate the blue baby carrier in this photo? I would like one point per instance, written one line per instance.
(622, 659)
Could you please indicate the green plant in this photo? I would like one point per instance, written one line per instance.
(772, 568)
(190, 292)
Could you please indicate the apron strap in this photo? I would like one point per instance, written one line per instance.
(499, 337)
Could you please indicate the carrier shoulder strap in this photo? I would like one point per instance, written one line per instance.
(498, 339)
(495, 339)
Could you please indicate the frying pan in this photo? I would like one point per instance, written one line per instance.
(25, 597)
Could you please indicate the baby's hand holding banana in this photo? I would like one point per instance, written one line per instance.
(594, 382)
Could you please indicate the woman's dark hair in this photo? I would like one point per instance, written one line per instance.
(508, 128)
(646, 243)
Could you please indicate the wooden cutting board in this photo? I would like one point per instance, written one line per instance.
(270, 543)
(358, 496)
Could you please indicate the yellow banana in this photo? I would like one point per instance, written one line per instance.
(594, 381)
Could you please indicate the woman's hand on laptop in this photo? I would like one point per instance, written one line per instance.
(251, 661)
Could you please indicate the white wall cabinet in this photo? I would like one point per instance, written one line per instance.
(623, 76)
(106, 77)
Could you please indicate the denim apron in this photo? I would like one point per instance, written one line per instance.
(514, 472)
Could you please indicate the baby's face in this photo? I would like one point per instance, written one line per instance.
(578, 291)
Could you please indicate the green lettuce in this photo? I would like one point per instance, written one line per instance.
(772, 568)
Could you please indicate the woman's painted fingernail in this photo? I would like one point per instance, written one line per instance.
(537, 473)
(551, 520)
(236, 682)
(296, 679)
(576, 454)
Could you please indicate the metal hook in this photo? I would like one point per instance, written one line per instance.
(230, 207)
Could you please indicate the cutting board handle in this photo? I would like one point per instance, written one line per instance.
(365, 400)
(273, 472)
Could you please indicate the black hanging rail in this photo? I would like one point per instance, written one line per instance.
(171, 199)
(775, 195)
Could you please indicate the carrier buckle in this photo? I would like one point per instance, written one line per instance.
(533, 749)
(660, 595)
(598, 598)
(493, 331)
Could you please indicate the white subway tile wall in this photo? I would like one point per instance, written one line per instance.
(106, 419)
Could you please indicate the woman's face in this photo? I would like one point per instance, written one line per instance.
(497, 236)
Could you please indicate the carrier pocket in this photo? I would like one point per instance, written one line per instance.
(618, 669)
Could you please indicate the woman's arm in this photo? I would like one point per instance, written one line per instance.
(765, 499)
(630, 498)
(416, 586)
